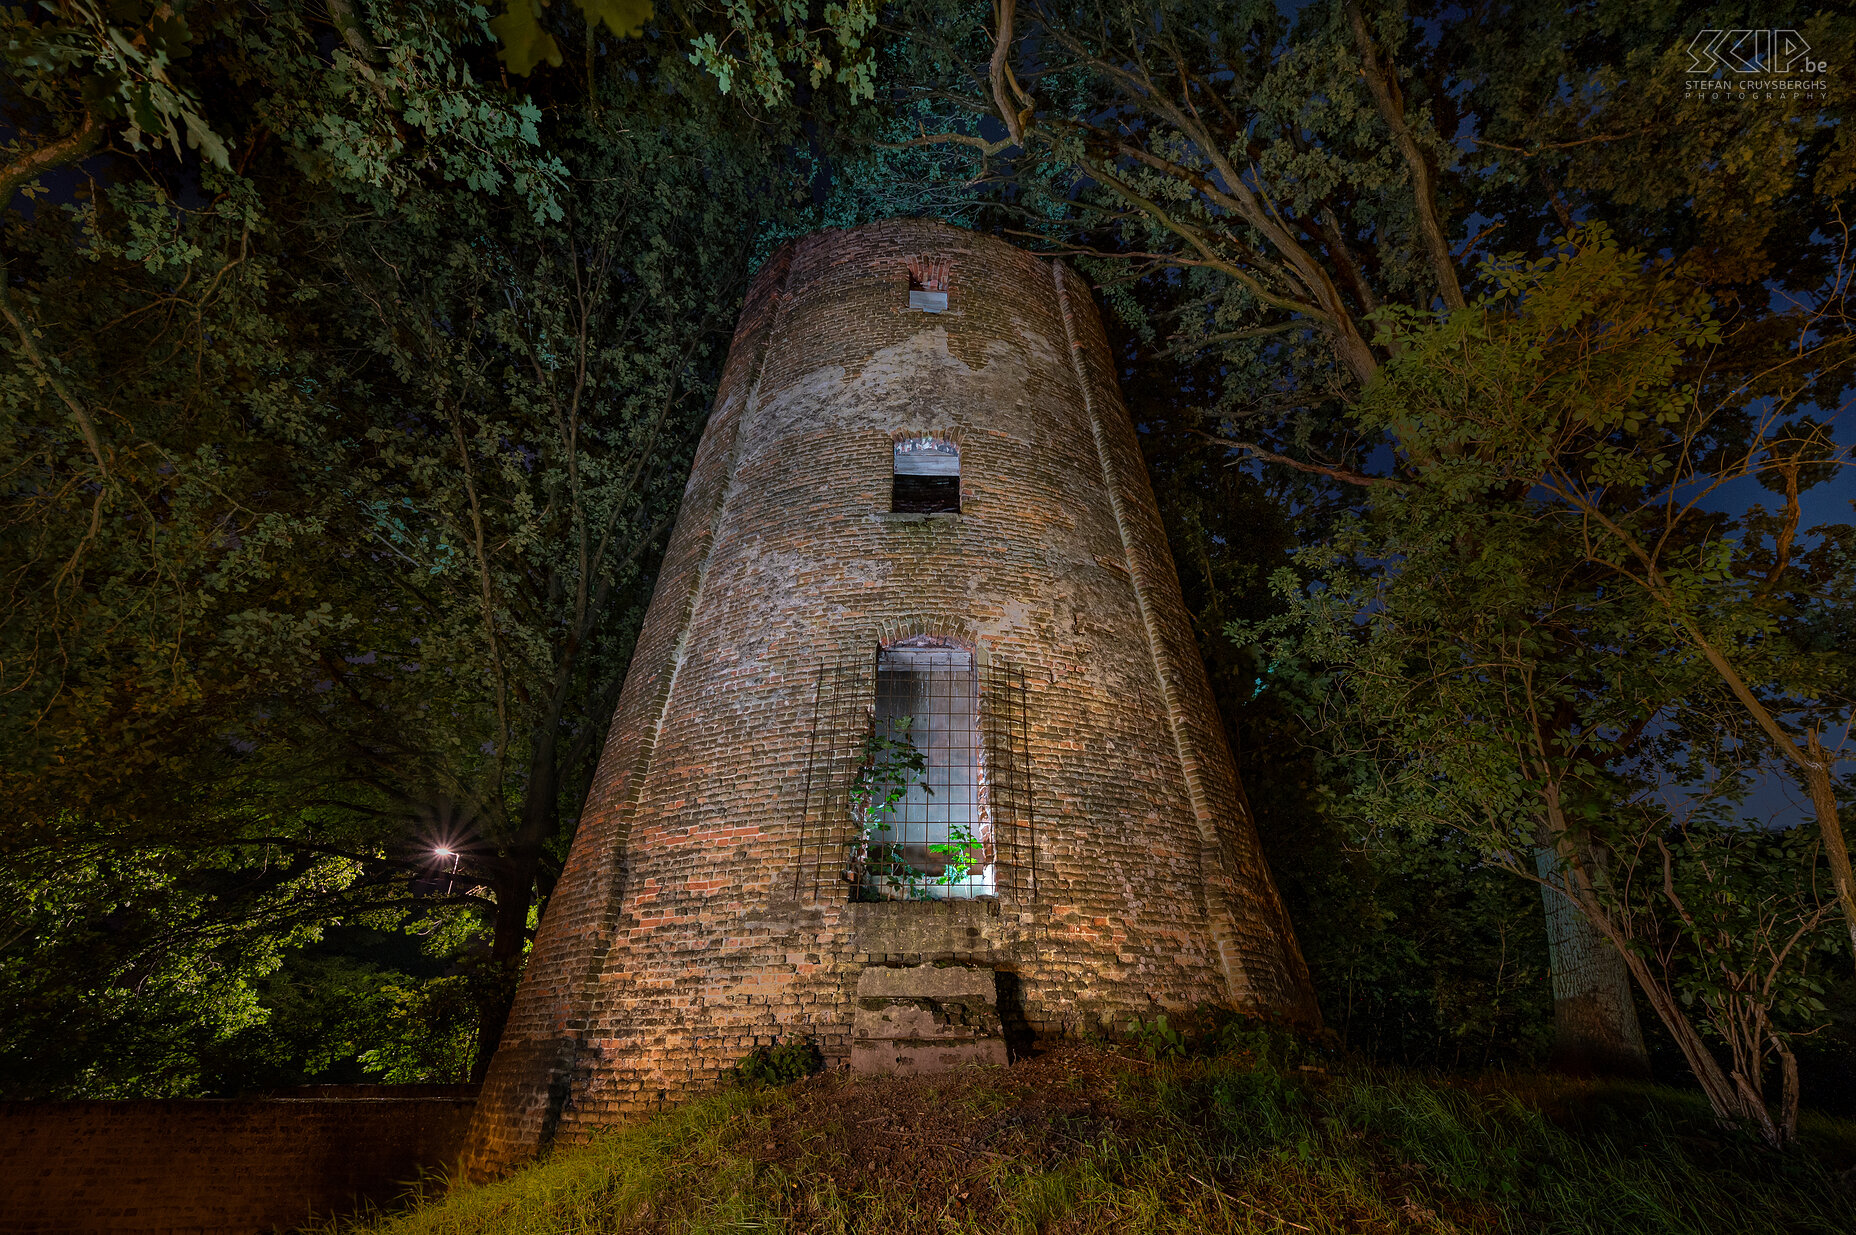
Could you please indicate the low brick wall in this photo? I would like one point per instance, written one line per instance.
(219, 1166)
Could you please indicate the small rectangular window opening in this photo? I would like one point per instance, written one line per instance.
(927, 477)
(928, 284)
(935, 840)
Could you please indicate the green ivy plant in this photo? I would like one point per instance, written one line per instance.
(771, 1066)
(1159, 1040)
(891, 763)
(958, 853)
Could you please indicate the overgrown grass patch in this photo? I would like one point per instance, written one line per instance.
(683, 1170)
(1405, 1152)
(1084, 1140)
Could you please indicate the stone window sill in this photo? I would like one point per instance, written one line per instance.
(960, 911)
(935, 516)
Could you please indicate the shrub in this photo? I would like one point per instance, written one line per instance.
(767, 1066)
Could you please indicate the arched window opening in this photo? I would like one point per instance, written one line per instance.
(927, 477)
(928, 284)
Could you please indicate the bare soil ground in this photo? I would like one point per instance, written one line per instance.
(942, 1136)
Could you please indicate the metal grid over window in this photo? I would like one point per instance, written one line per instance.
(1004, 705)
(917, 783)
(928, 831)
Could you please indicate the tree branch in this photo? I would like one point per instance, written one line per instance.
(1270, 456)
(1006, 94)
(35, 163)
(1382, 81)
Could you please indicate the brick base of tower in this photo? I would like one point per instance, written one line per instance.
(690, 924)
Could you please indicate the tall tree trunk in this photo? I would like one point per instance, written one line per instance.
(1572, 872)
(1723, 1095)
(1788, 1101)
(519, 864)
(1595, 1027)
(514, 886)
(1817, 767)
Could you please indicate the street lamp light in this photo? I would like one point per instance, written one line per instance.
(443, 852)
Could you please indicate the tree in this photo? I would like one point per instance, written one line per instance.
(142, 330)
(512, 449)
(1253, 193)
(337, 472)
(1501, 668)
(1423, 954)
(1595, 1025)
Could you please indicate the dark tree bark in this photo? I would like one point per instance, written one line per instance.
(1595, 1026)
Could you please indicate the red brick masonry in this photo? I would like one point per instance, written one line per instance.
(223, 1167)
(684, 930)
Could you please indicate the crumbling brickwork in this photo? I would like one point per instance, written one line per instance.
(682, 933)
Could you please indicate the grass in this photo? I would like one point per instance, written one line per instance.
(1085, 1140)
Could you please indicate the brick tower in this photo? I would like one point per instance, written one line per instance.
(917, 688)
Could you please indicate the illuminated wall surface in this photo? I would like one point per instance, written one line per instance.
(221, 1166)
(904, 506)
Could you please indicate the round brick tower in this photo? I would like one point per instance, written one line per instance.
(918, 551)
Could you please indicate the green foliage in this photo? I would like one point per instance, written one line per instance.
(122, 58)
(958, 853)
(385, 128)
(891, 763)
(750, 58)
(783, 1064)
(1741, 916)
(124, 974)
(747, 47)
(1538, 633)
(526, 44)
(165, 972)
(355, 1008)
(430, 1033)
(336, 478)
(1421, 953)
(1247, 200)
(1159, 1040)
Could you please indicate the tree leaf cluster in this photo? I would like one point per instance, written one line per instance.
(335, 483)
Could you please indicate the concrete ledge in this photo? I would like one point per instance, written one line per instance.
(916, 1058)
(926, 1018)
(966, 928)
(964, 982)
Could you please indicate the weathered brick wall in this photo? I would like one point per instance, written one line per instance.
(228, 1166)
(676, 942)
(1262, 960)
